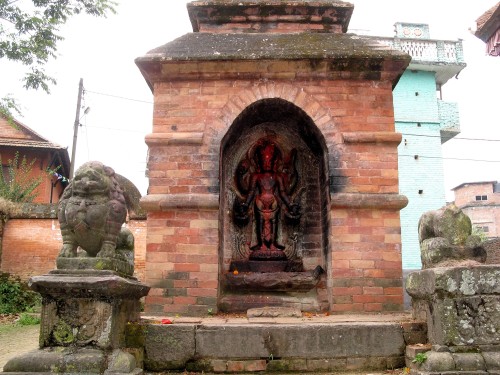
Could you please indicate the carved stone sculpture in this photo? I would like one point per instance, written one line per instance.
(91, 212)
(457, 295)
(265, 181)
(445, 237)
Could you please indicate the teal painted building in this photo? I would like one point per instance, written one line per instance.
(426, 122)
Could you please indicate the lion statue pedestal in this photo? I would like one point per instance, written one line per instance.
(89, 300)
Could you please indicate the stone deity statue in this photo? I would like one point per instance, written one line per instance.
(266, 184)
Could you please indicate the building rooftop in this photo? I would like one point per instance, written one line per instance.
(220, 12)
(475, 183)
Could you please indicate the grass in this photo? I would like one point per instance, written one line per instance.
(27, 319)
(9, 328)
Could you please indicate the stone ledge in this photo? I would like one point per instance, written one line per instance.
(91, 284)
(164, 202)
(372, 137)
(276, 282)
(121, 266)
(35, 211)
(298, 347)
(367, 200)
(174, 139)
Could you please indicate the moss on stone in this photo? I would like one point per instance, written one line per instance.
(203, 365)
(63, 333)
(134, 335)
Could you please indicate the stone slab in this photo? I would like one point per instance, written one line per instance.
(169, 347)
(58, 360)
(123, 267)
(324, 346)
(274, 312)
(277, 281)
(300, 341)
(95, 284)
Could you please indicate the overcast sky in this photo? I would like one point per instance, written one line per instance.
(102, 52)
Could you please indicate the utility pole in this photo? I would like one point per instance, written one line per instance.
(75, 129)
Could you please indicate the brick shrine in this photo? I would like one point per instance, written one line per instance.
(286, 71)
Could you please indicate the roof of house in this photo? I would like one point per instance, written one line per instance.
(474, 183)
(488, 23)
(15, 134)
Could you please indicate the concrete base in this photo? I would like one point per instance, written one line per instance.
(321, 343)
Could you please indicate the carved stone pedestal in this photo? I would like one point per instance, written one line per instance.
(462, 309)
(84, 317)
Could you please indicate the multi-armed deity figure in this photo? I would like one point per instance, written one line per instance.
(266, 180)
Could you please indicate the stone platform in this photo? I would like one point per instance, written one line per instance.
(311, 343)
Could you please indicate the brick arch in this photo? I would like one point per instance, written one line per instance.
(293, 128)
(319, 115)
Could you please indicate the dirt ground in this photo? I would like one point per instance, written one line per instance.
(15, 340)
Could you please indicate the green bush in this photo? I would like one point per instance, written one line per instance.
(15, 296)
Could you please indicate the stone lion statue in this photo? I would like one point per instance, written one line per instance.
(446, 238)
(91, 212)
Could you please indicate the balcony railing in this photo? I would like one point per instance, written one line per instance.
(428, 50)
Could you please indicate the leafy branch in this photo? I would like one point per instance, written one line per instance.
(30, 35)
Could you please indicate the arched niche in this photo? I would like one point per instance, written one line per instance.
(293, 131)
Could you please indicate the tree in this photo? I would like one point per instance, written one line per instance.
(29, 33)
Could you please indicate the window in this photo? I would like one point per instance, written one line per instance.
(481, 197)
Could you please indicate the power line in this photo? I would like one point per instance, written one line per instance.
(448, 158)
(119, 97)
(454, 138)
(116, 129)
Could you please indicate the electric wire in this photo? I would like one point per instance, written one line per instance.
(454, 138)
(401, 155)
(119, 97)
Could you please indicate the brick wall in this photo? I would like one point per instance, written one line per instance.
(466, 194)
(355, 118)
(30, 246)
(366, 260)
(484, 213)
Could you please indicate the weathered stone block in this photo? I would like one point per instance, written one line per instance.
(462, 304)
(59, 360)
(299, 341)
(169, 347)
(274, 312)
(438, 362)
(120, 362)
(469, 361)
(492, 360)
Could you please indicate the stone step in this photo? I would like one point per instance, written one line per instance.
(272, 345)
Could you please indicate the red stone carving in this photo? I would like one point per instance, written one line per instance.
(266, 181)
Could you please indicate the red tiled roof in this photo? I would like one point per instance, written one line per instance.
(10, 142)
(488, 23)
(481, 21)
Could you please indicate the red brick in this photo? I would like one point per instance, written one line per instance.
(187, 267)
(342, 291)
(347, 307)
